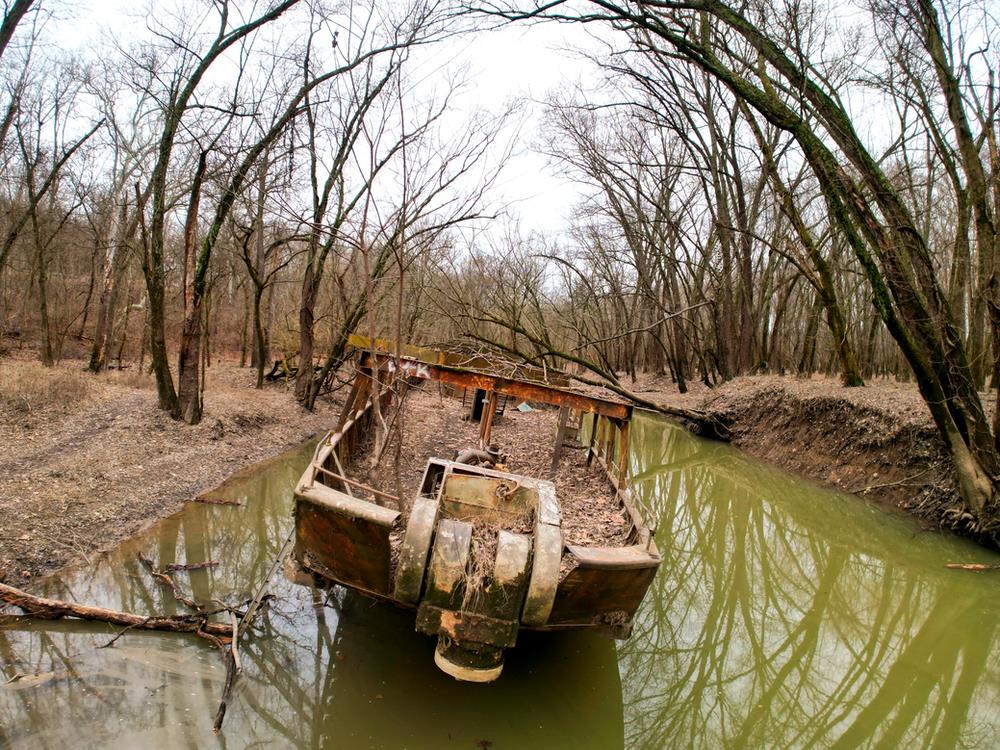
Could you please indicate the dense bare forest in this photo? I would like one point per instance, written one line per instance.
(783, 188)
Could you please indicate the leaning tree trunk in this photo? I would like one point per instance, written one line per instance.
(259, 342)
(43, 304)
(153, 274)
(821, 276)
(304, 378)
(189, 371)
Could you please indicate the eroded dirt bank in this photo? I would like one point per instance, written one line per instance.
(878, 441)
(87, 461)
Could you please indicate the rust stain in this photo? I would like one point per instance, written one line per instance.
(450, 621)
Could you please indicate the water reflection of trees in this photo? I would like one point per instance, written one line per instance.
(779, 618)
(783, 618)
(327, 669)
(154, 685)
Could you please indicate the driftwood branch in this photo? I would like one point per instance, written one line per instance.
(229, 649)
(216, 501)
(224, 647)
(167, 581)
(235, 645)
(975, 567)
(222, 636)
(174, 567)
(53, 609)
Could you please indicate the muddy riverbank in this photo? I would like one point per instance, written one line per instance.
(88, 461)
(878, 442)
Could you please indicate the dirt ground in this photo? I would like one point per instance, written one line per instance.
(87, 461)
(878, 441)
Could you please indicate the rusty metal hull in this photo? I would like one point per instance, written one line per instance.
(535, 580)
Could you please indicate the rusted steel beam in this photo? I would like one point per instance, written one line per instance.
(520, 389)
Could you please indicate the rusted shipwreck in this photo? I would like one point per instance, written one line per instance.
(496, 499)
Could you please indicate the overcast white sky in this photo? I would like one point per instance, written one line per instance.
(516, 61)
(528, 62)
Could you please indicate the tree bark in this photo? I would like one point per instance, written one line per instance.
(153, 266)
(111, 271)
(259, 337)
(17, 10)
(304, 379)
(189, 362)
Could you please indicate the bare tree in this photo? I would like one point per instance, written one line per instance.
(180, 86)
(759, 56)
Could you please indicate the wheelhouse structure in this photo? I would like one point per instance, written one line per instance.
(486, 496)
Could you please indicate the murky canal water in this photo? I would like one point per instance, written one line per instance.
(784, 615)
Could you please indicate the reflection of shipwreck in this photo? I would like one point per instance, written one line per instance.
(474, 538)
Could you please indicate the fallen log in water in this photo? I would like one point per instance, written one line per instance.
(223, 636)
(220, 635)
(217, 501)
(53, 609)
(702, 423)
(174, 567)
(976, 567)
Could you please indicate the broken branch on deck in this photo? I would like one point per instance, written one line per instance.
(703, 423)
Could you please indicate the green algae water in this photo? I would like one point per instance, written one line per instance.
(784, 615)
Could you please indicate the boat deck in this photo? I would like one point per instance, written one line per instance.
(436, 426)
(546, 536)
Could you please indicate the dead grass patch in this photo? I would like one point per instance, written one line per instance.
(28, 387)
(131, 378)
